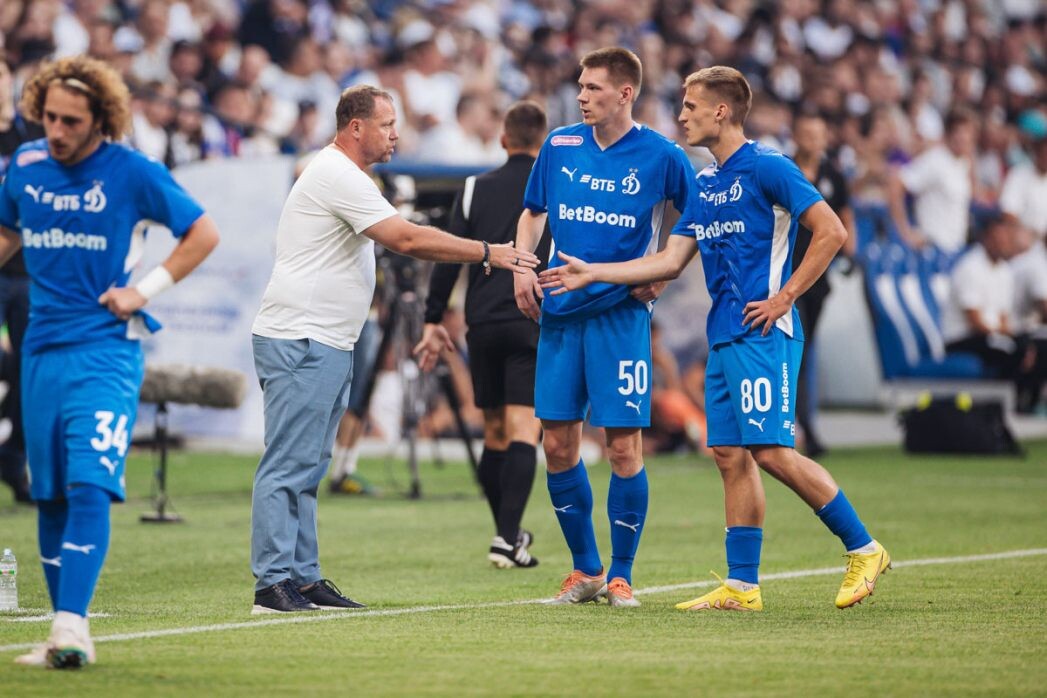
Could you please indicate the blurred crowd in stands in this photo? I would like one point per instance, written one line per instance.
(934, 108)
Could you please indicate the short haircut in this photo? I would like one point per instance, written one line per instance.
(357, 103)
(107, 94)
(621, 64)
(958, 117)
(727, 84)
(525, 125)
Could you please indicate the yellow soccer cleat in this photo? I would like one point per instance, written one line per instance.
(863, 569)
(725, 598)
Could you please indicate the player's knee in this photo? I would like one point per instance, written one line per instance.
(730, 460)
(774, 460)
(625, 458)
(559, 454)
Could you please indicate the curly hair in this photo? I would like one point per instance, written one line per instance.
(106, 92)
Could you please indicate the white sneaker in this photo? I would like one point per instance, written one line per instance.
(70, 645)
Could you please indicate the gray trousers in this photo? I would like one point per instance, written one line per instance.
(305, 388)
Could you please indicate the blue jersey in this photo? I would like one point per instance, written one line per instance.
(604, 205)
(83, 230)
(744, 216)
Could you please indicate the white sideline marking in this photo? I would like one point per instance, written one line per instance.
(338, 615)
(42, 614)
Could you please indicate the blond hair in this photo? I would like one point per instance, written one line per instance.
(107, 94)
(727, 84)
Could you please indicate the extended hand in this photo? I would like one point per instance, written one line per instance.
(765, 313)
(435, 339)
(122, 302)
(527, 293)
(645, 293)
(506, 256)
(571, 276)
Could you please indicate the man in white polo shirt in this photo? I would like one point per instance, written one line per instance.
(1024, 198)
(978, 318)
(1024, 193)
(940, 181)
(311, 315)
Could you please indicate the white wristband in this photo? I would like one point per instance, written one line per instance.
(156, 281)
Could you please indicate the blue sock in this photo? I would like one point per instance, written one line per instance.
(572, 499)
(627, 511)
(842, 520)
(84, 546)
(50, 524)
(743, 553)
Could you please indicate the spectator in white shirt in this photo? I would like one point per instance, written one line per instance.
(471, 139)
(940, 181)
(1024, 193)
(978, 317)
(1030, 311)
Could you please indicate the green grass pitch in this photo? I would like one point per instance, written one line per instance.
(440, 623)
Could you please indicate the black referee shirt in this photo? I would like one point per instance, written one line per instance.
(833, 188)
(488, 208)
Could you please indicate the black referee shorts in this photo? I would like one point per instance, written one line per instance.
(502, 357)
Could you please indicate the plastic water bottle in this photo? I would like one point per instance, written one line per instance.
(8, 581)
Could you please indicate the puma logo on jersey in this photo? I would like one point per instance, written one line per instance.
(108, 464)
(569, 173)
(632, 527)
(85, 549)
(758, 425)
(35, 193)
(634, 405)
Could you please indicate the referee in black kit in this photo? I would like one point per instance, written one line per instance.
(503, 344)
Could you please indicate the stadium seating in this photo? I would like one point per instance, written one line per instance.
(906, 291)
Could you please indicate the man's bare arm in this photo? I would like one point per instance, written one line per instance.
(526, 290)
(827, 236)
(664, 266)
(192, 249)
(426, 242)
(10, 243)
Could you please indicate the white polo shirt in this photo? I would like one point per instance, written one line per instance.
(1030, 286)
(1024, 196)
(977, 284)
(323, 277)
(940, 183)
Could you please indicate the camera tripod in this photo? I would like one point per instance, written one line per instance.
(400, 327)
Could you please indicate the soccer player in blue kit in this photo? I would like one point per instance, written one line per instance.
(603, 184)
(743, 216)
(79, 204)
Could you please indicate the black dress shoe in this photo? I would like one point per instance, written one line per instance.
(327, 596)
(281, 597)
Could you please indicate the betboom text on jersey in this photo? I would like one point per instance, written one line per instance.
(56, 238)
(716, 229)
(588, 214)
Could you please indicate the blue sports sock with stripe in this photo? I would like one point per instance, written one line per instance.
(626, 511)
(84, 545)
(50, 525)
(572, 498)
(842, 520)
(743, 553)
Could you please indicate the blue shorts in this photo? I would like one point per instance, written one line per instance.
(79, 405)
(750, 390)
(604, 360)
